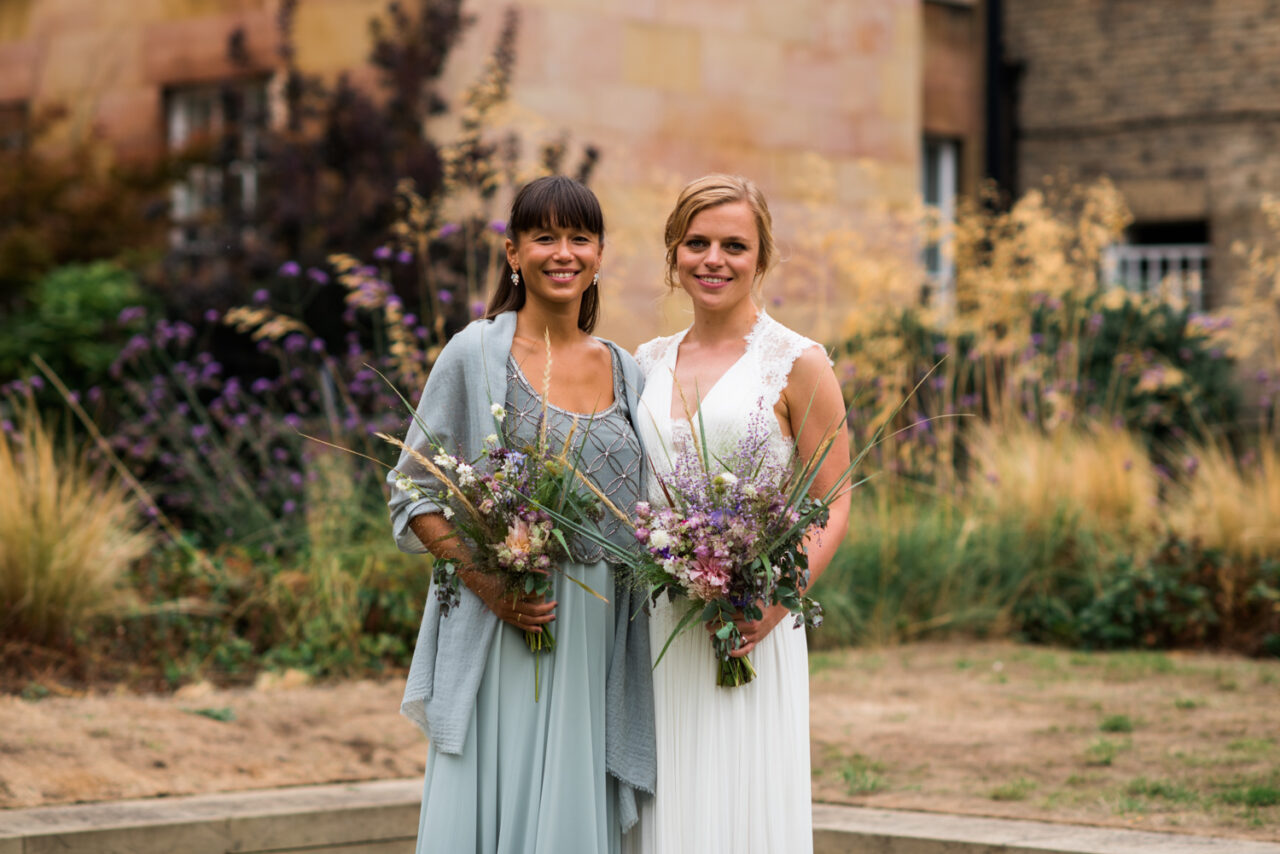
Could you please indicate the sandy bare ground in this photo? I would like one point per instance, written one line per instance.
(1181, 742)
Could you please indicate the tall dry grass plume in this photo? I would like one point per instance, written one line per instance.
(1231, 504)
(68, 535)
(1100, 476)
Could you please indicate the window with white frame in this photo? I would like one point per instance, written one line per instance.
(940, 180)
(1169, 260)
(222, 126)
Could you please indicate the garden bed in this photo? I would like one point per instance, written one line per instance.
(1179, 741)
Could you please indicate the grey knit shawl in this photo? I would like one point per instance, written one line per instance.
(448, 661)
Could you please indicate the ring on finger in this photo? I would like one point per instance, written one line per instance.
(519, 618)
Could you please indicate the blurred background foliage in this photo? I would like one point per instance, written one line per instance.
(1075, 464)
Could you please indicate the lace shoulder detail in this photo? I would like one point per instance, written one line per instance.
(654, 352)
(776, 349)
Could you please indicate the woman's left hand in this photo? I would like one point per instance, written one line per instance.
(757, 630)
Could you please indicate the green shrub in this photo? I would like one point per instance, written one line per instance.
(74, 322)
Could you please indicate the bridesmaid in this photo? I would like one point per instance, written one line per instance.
(507, 774)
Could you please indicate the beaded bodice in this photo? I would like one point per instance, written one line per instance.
(604, 444)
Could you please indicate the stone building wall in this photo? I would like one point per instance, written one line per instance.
(818, 101)
(1178, 101)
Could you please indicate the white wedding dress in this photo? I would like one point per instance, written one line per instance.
(733, 763)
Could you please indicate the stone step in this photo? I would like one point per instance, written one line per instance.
(381, 817)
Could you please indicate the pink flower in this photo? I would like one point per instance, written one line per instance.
(707, 577)
(517, 539)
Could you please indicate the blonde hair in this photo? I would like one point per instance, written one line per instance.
(709, 191)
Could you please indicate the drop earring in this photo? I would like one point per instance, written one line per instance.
(515, 279)
(595, 280)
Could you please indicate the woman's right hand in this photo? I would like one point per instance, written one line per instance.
(527, 613)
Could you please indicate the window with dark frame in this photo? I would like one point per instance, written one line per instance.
(220, 127)
(940, 186)
(14, 125)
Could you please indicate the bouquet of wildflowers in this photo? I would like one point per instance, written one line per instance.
(504, 503)
(730, 541)
(494, 502)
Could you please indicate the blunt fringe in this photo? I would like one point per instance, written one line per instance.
(553, 201)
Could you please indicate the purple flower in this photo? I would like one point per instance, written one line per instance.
(293, 421)
(449, 228)
(262, 385)
(290, 506)
(405, 257)
(199, 431)
(211, 316)
(130, 314)
(95, 394)
(7, 426)
(295, 343)
(317, 345)
(290, 269)
(446, 297)
(498, 226)
(320, 277)
(261, 296)
(1192, 465)
(477, 309)
(382, 253)
(36, 383)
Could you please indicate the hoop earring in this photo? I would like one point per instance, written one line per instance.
(515, 279)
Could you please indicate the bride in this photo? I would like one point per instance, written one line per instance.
(733, 763)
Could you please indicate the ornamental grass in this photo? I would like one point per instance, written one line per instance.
(68, 534)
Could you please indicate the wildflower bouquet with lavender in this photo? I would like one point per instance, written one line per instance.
(495, 502)
(503, 503)
(730, 542)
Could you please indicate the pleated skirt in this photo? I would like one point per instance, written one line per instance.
(531, 775)
(733, 763)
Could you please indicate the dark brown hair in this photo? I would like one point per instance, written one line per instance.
(551, 201)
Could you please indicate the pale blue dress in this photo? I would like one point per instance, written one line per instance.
(531, 775)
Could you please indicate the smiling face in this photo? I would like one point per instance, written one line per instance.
(718, 258)
(556, 264)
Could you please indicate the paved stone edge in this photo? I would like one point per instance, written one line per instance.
(380, 812)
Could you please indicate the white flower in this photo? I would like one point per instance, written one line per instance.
(447, 512)
(491, 439)
(659, 539)
(466, 475)
(445, 461)
(726, 479)
(405, 484)
(499, 412)
(750, 491)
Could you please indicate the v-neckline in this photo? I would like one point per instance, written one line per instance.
(674, 395)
